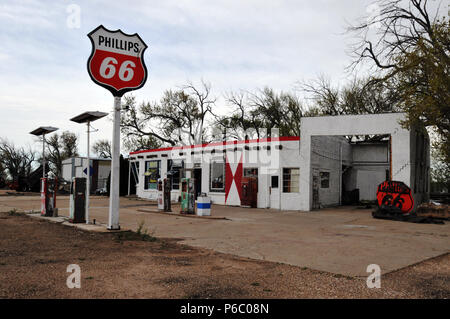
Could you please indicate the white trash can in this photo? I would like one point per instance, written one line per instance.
(203, 206)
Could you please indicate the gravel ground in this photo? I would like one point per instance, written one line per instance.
(34, 255)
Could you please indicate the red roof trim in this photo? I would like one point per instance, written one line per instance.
(261, 140)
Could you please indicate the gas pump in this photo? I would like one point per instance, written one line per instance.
(187, 195)
(164, 195)
(167, 188)
(49, 187)
(78, 200)
(160, 194)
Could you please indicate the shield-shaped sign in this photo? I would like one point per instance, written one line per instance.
(395, 194)
(117, 60)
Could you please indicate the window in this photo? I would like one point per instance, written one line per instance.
(251, 172)
(175, 172)
(274, 183)
(134, 173)
(152, 173)
(324, 179)
(291, 178)
(217, 176)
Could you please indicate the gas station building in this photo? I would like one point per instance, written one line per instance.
(322, 167)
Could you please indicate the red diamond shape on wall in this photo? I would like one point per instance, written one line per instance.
(233, 178)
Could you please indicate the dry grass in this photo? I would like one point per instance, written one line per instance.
(34, 256)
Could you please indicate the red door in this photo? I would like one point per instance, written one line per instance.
(249, 191)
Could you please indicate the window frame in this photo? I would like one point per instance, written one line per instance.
(277, 179)
(246, 169)
(285, 188)
(211, 189)
(321, 179)
(146, 178)
(179, 169)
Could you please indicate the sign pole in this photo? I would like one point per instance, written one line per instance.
(88, 173)
(43, 155)
(114, 190)
(117, 64)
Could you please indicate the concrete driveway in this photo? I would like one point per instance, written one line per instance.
(343, 240)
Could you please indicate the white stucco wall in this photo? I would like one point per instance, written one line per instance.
(67, 169)
(419, 166)
(74, 167)
(268, 162)
(290, 158)
(298, 154)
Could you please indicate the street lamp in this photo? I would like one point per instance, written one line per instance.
(88, 117)
(42, 130)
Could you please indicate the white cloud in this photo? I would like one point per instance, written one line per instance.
(28, 14)
(232, 44)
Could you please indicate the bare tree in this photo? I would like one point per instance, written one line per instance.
(243, 122)
(324, 96)
(3, 176)
(197, 119)
(59, 148)
(139, 143)
(255, 114)
(398, 30)
(408, 45)
(178, 118)
(277, 110)
(102, 148)
(17, 162)
(354, 98)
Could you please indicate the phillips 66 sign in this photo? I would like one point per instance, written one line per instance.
(395, 194)
(117, 60)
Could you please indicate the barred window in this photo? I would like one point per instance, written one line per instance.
(291, 180)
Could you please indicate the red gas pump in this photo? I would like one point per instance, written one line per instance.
(48, 196)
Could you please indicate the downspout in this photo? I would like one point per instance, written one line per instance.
(340, 173)
(280, 185)
(390, 157)
(129, 175)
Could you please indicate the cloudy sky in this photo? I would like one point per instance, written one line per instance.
(233, 44)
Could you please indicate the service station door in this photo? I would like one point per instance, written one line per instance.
(275, 191)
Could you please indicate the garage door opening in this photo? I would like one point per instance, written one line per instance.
(346, 170)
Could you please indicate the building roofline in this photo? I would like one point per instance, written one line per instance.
(343, 115)
(260, 140)
(91, 158)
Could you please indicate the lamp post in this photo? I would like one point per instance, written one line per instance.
(88, 117)
(42, 130)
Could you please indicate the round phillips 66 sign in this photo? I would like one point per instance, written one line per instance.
(117, 60)
(395, 194)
